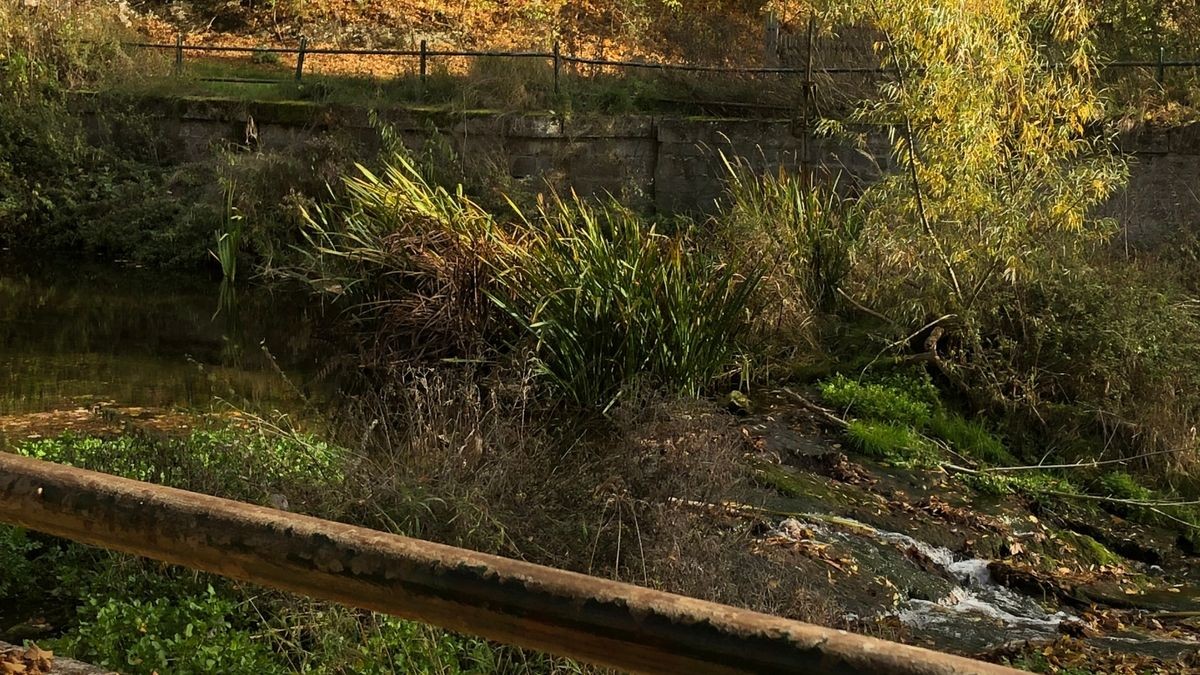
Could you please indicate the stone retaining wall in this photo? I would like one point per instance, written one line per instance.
(670, 164)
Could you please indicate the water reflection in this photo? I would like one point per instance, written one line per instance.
(85, 334)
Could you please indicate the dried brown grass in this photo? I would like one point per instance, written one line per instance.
(469, 458)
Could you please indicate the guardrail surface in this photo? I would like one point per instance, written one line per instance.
(594, 620)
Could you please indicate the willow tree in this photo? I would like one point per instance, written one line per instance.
(992, 107)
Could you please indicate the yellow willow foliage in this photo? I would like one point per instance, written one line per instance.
(993, 107)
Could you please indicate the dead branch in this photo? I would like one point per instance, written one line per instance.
(824, 413)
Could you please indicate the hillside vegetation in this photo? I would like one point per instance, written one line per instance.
(712, 30)
(955, 350)
(715, 32)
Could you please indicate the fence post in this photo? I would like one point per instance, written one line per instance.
(300, 59)
(806, 160)
(557, 66)
(179, 54)
(424, 64)
(1161, 74)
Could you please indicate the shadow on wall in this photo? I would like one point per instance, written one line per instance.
(668, 164)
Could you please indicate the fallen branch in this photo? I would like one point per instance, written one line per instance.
(746, 511)
(1128, 502)
(728, 508)
(824, 413)
(1174, 615)
(1080, 465)
(954, 468)
(930, 354)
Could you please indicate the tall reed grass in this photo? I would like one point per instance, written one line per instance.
(229, 238)
(805, 232)
(610, 303)
(406, 255)
(601, 301)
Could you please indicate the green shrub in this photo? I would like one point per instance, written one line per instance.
(44, 153)
(185, 635)
(900, 402)
(1032, 483)
(995, 484)
(609, 303)
(396, 646)
(17, 569)
(249, 466)
(896, 443)
(1121, 485)
(1093, 341)
(970, 438)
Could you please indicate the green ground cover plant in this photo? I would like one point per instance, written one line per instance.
(136, 616)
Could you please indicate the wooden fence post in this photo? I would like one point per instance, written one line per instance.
(557, 66)
(300, 59)
(424, 64)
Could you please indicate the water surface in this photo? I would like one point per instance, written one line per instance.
(78, 337)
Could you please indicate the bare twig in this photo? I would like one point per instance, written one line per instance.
(824, 413)
(1177, 519)
(1174, 615)
(866, 309)
(1080, 465)
(1151, 504)
(910, 143)
(1147, 503)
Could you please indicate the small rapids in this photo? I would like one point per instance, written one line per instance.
(976, 603)
(976, 614)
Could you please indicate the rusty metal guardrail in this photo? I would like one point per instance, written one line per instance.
(594, 620)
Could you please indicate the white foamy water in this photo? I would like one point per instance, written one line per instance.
(977, 611)
(979, 599)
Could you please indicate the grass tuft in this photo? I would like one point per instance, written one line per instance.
(895, 443)
(970, 438)
(1121, 485)
(611, 304)
(877, 401)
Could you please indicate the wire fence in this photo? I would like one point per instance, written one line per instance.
(801, 81)
(424, 56)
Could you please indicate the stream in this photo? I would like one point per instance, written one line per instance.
(958, 606)
(79, 337)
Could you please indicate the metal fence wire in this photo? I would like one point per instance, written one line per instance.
(424, 55)
(557, 58)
